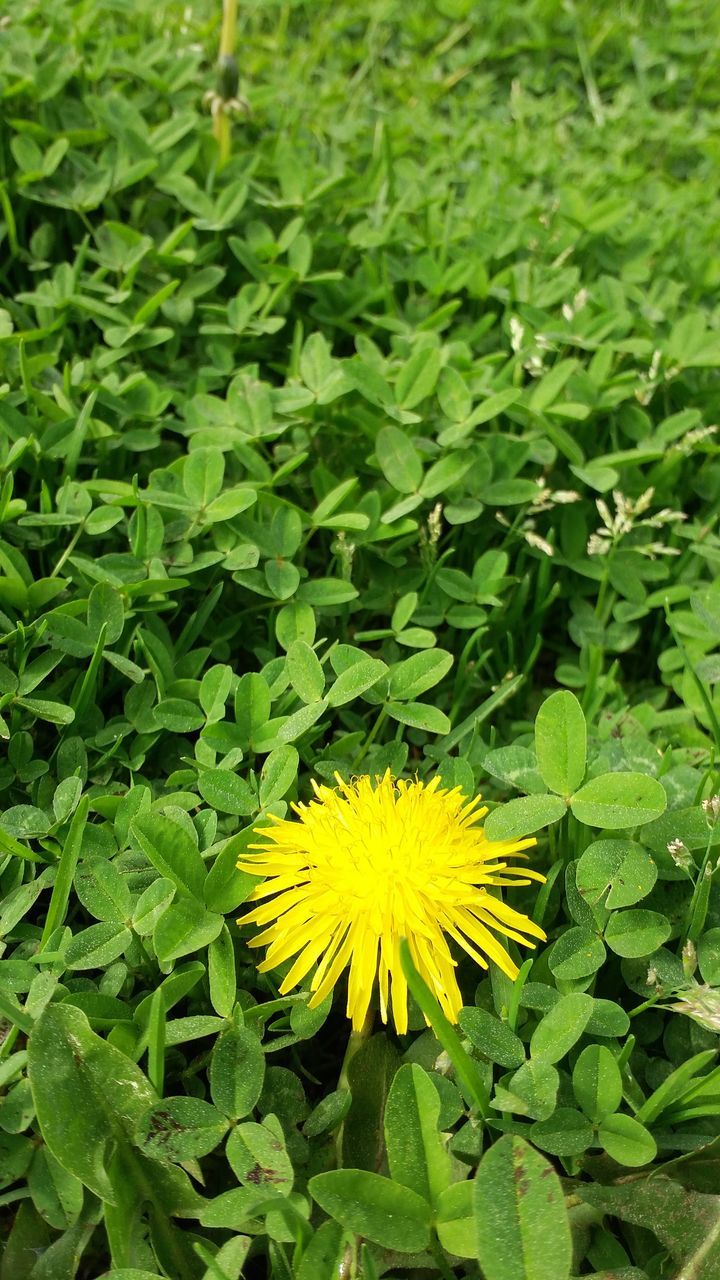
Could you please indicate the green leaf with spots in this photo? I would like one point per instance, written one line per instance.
(374, 1207)
(522, 1227)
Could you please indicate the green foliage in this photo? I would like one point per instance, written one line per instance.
(391, 444)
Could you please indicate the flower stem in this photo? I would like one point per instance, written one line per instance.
(229, 28)
(221, 127)
(355, 1042)
(600, 602)
(699, 685)
(699, 902)
(517, 988)
(646, 1004)
(228, 32)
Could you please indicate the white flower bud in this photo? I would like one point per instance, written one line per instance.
(680, 854)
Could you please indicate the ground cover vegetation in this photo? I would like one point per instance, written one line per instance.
(390, 444)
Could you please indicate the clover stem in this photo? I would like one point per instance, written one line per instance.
(370, 738)
(440, 1259)
(69, 549)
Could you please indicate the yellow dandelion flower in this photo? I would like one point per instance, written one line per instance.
(371, 862)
